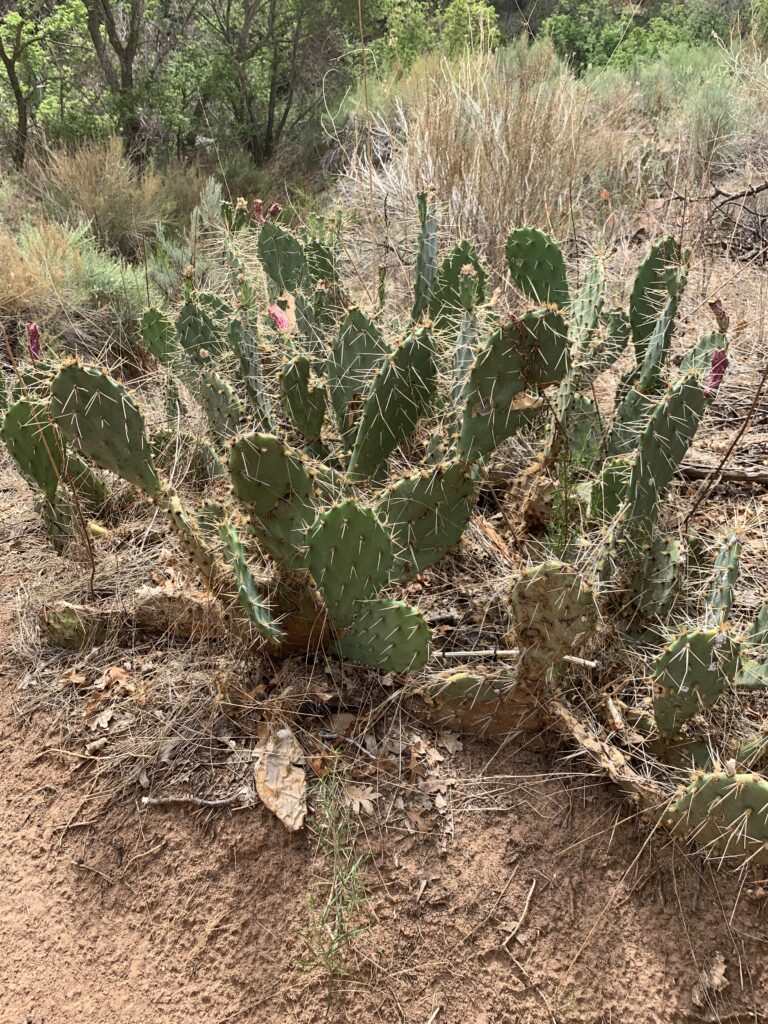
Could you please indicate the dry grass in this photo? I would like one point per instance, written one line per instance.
(505, 142)
(97, 184)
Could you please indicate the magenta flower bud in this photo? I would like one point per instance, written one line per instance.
(279, 319)
(257, 211)
(274, 211)
(33, 341)
(716, 373)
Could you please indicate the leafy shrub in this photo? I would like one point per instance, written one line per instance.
(469, 23)
(611, 31)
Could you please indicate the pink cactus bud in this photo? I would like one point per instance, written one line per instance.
(279, 319)
(257, 211)
(716, 373)
(33, 341)
(274, 211)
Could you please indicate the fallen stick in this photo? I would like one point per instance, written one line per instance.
(196, 801)
(751, 476)
(512, 652)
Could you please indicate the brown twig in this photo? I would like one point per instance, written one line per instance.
(519, 923)
(741, 476)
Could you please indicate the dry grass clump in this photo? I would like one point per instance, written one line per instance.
(505, 140)
(97, 184)
(24, 285)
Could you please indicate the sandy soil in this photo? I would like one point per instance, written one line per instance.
(119, 915)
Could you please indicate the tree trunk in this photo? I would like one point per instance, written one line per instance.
(19, 154)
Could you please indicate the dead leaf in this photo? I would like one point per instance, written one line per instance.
(114, 674)
(449, 741)
(102, 720)
(711, 979)
(418, 822)
(360, 798)
(341, 722)
(281, 781)
(96, 745)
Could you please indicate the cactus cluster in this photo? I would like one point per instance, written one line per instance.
(314, 406)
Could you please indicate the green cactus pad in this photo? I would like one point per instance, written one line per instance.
(727, 568)
(537, 267)
(91, 408)
(210, 516)
(357, 350)
(160, 337)
(58, 516)
(172, 398)
(757, 634)
(389, 635)
(464, 357)
(465, 686)
(426, 256)
(242, 341)
(554, 613)
(217, 308)
(587, 306)
(663, 446)
(34, 443)
(282, 256)
(650, 378)
(305, 401)
(691, 673)
(198, 335)
(660, 276)
(601, 349)
(629, 422)
(321, 262)
(222, 407)
(400, 394)
(522, 354)
(609, 490)
(575, 424)
(726, 814)
(652, 586)
(91, 489)
(752, 753)
(247, 591)
(350, 556)
(273, 481)
(32, 382)
(427, 514)
(460, 285)
(752, 675)
(699, 358)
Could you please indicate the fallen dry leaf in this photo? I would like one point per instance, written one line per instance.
(449, 741)
(281, 781)
(360, 798)
(711, 979)
(102, 720)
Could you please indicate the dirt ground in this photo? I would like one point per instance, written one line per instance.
(541, 899)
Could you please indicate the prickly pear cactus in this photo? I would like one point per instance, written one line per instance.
(537, 267)
(555, 613)
(98, 415)
(692, 673)
(727, 815)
